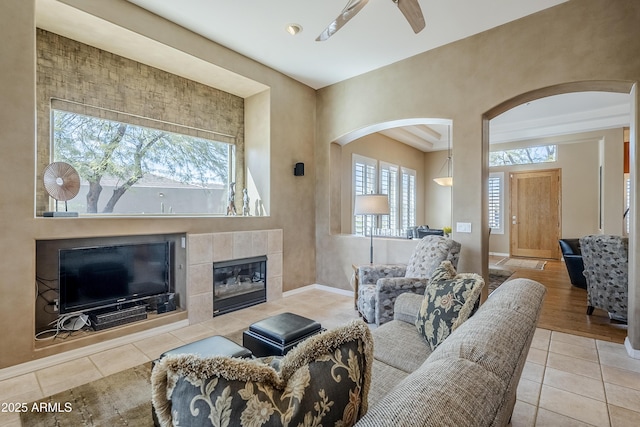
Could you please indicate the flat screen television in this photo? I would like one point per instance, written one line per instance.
(105, 276)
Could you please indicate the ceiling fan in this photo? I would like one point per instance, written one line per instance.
(409, 8)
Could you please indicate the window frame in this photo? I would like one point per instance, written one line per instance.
(400, 217)
(392, 182)
(408, 197)
(98, 114)
(361, 223)
(522, 151)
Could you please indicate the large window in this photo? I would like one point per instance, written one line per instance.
(399, 183)
(496, 202)
(129, 169)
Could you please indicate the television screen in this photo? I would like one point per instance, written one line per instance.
(102, 276)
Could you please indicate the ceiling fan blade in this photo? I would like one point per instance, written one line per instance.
(413, 13)
(350, 10)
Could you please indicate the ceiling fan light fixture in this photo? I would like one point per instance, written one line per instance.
(293, 29)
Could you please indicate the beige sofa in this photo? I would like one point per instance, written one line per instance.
(470, 379)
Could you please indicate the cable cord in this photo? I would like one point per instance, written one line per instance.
(68, 323)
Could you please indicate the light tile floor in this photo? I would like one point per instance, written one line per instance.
(567, 380)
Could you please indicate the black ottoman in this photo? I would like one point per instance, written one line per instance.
(276, 335)
(213, 346)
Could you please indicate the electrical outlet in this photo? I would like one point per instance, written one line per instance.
(55, 305)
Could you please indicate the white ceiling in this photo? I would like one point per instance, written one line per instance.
(377, 36)
(564, 114)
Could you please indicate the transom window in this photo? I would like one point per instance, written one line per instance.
(130, 169)
(523, 156)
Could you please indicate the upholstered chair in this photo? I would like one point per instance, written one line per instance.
(380, 284)
(573, 261)
(606, 260)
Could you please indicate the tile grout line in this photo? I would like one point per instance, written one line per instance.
(544, 373)
(604, 388)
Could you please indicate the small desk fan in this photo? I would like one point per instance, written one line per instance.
(62, 182)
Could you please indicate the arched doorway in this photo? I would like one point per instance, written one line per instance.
(414, 144)
(633, 337)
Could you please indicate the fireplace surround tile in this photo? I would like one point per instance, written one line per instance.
(200, 248)
(200, 279)
(274, 287)
(242, 244)
(222, 246)
(274, 265)
(259, 243)
(203, 249)
(274, 243)
(200, 307)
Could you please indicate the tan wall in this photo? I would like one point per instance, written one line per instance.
(437, 203)
(581, 45)
(381, 148)
(290, 131)
(579, 161)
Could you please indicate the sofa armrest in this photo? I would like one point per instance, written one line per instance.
(407, 307)
(369, 274)
(388, 290)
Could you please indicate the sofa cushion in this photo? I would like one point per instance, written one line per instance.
(384, 378)
(385, 349)
(324, 380)
(449, 392)
(449, 300)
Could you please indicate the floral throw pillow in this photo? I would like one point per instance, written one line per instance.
(323, 381)
(449, 300)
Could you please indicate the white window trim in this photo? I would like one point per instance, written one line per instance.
(500, 177)
(367, 161)
(412, 198)
(394, 203)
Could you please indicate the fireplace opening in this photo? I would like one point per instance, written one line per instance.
(239, 283)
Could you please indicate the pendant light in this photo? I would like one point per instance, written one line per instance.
(446, 181)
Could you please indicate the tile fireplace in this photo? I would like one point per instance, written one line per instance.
(239, 283)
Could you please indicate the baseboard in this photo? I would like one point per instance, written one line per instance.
(319, 287)
(632, 352)
(498, 254)
(56, 359)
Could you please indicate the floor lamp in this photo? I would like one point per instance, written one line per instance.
(371, 204)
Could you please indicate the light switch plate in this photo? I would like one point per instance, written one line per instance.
(463, 227)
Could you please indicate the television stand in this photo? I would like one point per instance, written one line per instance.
(103, 319)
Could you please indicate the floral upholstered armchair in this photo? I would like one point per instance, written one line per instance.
(606, 261)
(380, 284)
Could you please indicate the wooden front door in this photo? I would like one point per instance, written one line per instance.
(535, 214)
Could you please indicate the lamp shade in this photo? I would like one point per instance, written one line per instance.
(371, 204)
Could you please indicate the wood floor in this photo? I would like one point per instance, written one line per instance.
(565, 306)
